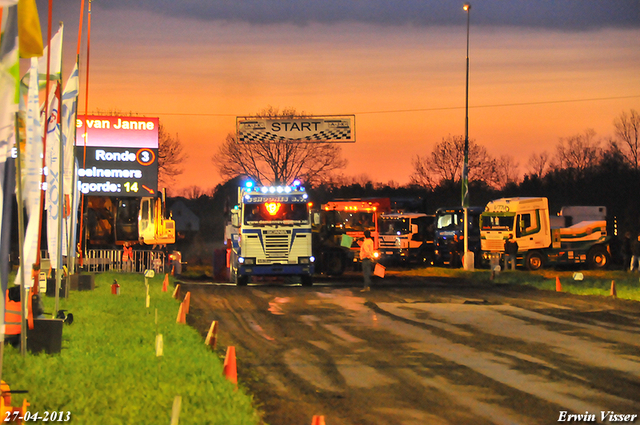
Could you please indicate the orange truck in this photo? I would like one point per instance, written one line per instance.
(338, 231)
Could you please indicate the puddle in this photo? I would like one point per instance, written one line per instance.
(275, 306)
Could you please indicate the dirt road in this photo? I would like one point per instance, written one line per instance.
(418, 351)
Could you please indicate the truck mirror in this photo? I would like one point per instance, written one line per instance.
(235, 219)
(414, 228)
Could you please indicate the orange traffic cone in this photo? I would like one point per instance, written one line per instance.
(317, 420)
(212, 335)
(176, 292)
(614, 294)
(187, 302)
(558, 285)
(165, 283)
(229, 369)
(181, 316)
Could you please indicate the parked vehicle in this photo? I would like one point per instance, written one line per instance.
(406, 238)
(449, 236)
(338, 231)
(577, 235)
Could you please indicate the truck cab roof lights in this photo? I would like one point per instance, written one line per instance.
(279, 189)
(248, 184)
(295, 183)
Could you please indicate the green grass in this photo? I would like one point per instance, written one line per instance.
(108, 372)
(595, 282)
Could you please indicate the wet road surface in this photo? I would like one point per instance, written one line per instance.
(418, 351)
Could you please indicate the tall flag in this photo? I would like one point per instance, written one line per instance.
(29, 32)
(69, 113)
(52, 162)
(55, 62)
(9, 98)
(32, 171)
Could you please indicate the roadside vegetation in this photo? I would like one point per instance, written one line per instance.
(108, 371)
(593, 282)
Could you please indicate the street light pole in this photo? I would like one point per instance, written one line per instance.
(468, 259)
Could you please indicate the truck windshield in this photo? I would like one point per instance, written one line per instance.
(276, 213)
(449, 221)
(357, 221)
(497, 222)
(395, 226)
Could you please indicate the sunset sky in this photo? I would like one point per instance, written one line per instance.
(539, 70)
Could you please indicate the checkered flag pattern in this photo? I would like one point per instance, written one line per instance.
(265, 136)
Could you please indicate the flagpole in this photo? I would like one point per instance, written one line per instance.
(468, 259)
(84, 138)
(44, 142)
(58, 251)
(71, 248)
(23, 334)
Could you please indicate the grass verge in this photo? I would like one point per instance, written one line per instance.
(594, 282)
(108, 371)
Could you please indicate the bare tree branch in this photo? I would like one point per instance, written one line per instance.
(278, 162)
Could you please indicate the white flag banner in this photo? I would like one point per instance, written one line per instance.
(69, 107)
(55, 61)
(52, 163)
(32, 176)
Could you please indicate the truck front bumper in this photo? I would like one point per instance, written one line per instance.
(276, 269)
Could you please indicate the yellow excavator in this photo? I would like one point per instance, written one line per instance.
(154, 227)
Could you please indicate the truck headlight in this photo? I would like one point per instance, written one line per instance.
(376, 254)
(306, 260)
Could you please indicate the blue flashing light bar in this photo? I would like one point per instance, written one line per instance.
(275, 189)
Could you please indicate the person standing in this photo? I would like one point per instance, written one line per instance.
(510, 253)
(626, 251)
(127, 257)
(367, 256)
(635, 254)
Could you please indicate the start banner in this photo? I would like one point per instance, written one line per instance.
(313, 129)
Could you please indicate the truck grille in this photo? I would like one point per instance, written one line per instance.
(493, 245)
(387, 243)
(276, 247)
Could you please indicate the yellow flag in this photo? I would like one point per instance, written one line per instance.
(29, 33)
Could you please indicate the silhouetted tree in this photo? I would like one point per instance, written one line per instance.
(578, 152)
(278, 161)
(171, 155)
(539, 163)
(445, 163)
(627, 130)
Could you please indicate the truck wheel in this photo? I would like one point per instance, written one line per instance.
(241, 280)
(534, 260)
(306, 280)
(598, 258)
(334, 265)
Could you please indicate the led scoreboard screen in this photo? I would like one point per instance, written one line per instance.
(121, 155)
